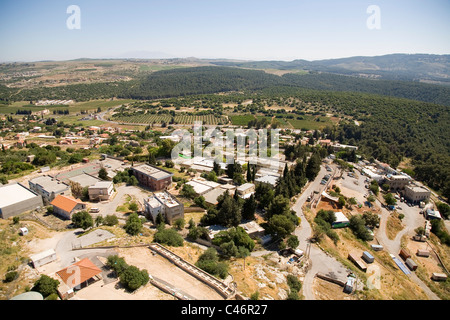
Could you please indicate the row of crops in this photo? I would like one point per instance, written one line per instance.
(209, 119)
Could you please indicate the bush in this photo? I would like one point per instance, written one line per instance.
(209, 262)
(169, 237)
(11, 276)
(111, 220)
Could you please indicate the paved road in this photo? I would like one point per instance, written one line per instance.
(320, 261)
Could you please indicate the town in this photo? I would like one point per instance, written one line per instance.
(104, 211)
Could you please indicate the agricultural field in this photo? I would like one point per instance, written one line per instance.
(310, 123)
(183, 119)
(241, 120)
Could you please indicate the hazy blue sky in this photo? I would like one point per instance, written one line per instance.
(245, 29)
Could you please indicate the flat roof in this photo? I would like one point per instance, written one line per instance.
(101, 185)
(167, 199)
(268, 179)
(199, 188)
(85, 180)
(43, 254)
(14, 193)
(49, 184)
(154, 172)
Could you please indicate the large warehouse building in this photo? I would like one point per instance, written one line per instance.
(16, 199)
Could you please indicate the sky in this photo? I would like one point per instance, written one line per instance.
(35, 30)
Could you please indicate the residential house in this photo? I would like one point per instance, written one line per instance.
(65, 206)
(101, 191)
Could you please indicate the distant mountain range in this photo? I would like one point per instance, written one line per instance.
(407, 67)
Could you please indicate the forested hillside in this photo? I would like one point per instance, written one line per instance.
(401, 89)
(201, 80)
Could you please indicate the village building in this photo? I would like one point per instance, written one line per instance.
(101, 191)
(152, 177)
(416, 194)
(65, 206)
(48, 187)
(76, 277)
(165, 204)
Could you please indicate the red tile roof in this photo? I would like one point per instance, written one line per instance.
(65, 203)
(79, 272)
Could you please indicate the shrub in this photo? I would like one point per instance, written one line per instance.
(46, 286)
(169, 237)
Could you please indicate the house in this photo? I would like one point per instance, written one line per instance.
(152, 177)
(101, 191)
(16, 199)
(66, 206)
(48, 187)
(77, 276)
(166, 204)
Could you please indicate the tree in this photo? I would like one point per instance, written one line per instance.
(179, 223)
(371, 220)
(209, 262)
(82, 220)
(390, 200)
(188, 191)
(249, 208)
(293, 242)
(357, 225)
(374, 187)
(133, 226)
(46, 285)
(279, 205)
(133, 206)
(280, 226)
(99, 220)
(229, 214)
(103, 174)
(133, 278)
(313, 166)
(444, 209)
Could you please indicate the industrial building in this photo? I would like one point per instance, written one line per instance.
(16, 199)
(166, 204)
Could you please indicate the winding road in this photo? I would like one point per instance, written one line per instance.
(320, 261)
